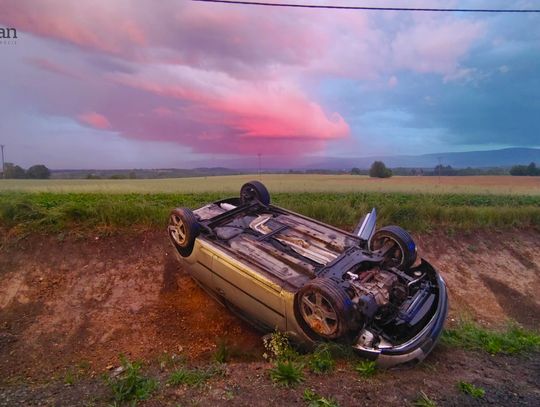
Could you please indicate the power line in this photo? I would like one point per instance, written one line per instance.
(323, 6)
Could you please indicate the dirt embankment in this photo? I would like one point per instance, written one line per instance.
(65, 302)
(90, 299)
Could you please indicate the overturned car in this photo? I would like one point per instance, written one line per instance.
(281, 270)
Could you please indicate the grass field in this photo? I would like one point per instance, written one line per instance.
(416, 203)
(46, 211)
(498, 185)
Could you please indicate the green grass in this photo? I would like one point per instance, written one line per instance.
(222, 353)
(70, 377)
(287, 373)
(55, 212)
(191, 377)
(424, 401)
(130, 385)
(471, 390)
(366, 368)
(321, 360)
(513, 339)
(316, 400)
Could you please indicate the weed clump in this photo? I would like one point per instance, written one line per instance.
(321, 360)
(130, 385)
(222, 353)
(424, 401)
(471, 390)
(315, 400)
(366, 368)
(287, 373)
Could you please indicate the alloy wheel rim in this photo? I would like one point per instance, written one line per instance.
(177, 230)
(318, 313)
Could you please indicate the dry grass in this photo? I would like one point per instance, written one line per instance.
(497, 185)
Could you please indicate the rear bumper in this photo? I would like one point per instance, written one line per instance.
(418, 347)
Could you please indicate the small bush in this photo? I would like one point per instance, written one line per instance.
(129, 385)
(315, 400)
(287, 373)
(366, 368)
(471, 390)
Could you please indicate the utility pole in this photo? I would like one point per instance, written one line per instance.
(259, 155)
(3, 165)
(439, 158)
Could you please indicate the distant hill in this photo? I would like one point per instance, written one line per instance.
(506, 157)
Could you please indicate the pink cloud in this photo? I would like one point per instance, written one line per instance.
(241, 114)
(98, 26)
(220, 79)
(47, 65)
(95, 120)
(274, 123)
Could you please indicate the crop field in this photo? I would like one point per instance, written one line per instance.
(497, 185)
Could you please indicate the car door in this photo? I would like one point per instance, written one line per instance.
(256, 296)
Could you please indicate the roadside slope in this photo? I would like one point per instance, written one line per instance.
(72, 299)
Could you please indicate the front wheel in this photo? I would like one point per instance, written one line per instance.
(398, 245)
(323, 309)
(183, 228)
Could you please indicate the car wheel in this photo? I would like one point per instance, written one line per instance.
(323, 309)
(254, 190)
(400, 245)
(183, 229)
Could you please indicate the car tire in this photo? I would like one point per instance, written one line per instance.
(183, 228)
(323, 309)
(254, 190)
(404, 254)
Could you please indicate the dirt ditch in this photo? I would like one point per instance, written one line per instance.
(69, 301)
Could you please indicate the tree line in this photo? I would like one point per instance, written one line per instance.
(379, 170)
(530, 169)
(39, 171)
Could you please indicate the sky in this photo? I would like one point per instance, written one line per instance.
(175, 83)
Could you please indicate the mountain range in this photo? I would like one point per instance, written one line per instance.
(506, 157)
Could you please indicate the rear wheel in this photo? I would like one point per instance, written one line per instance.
(323, 309)
(397, 243)
(254, 190)
(183, 228)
